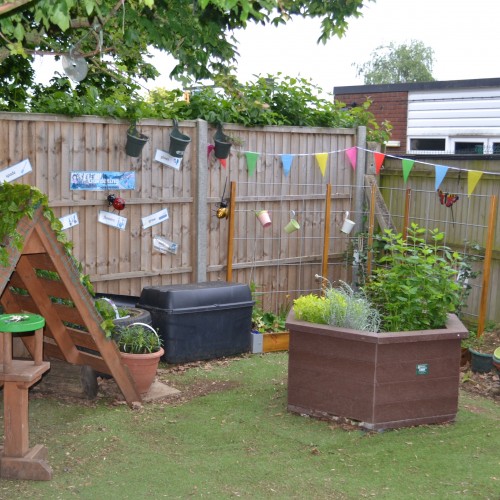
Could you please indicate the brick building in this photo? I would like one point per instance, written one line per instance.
(448, 117)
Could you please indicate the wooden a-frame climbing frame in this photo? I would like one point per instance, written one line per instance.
(72, 331)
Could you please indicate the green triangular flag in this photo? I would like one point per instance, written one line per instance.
(251, 161)
(407, 166)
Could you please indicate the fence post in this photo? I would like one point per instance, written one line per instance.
(200, 178)
(359, 176)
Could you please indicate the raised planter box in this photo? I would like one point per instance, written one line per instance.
(381, 380)
(270, 342)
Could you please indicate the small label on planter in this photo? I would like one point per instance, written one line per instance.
(166, 159)
(423, 369)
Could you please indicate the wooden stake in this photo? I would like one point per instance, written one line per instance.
(487, 265)
(406, 221)
(326, 240)
(230, 233)
(371, 229)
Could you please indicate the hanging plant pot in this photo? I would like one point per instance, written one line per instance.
(178, 142)
(222, 144)
(135, 142)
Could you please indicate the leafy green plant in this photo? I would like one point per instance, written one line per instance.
(137, 338)
(311, 308)
(21, 200)
(414, 286)
(340, 306)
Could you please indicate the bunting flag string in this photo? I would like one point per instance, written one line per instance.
(322, 158)
(351, 153)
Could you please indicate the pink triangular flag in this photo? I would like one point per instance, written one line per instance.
(407, 166)
(352, 154)
(286, 161)
(473, 177)
(322, 158)
(440, 174)
(379, 159)
(251, 161)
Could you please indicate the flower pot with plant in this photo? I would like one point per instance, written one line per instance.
(269, 332)
(141, 350)
(386, 356)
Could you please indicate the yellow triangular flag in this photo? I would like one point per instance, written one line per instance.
(473, 177)
(322, 158)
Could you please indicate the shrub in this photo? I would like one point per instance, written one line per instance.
(414, 286)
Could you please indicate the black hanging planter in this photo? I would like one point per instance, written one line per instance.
(222, 144)
(135, 142)
(178, 142)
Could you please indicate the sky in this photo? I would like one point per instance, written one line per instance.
(464, 35)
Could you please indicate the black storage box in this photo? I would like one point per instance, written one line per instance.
(200, 320)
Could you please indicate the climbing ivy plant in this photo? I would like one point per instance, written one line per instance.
(21, 200)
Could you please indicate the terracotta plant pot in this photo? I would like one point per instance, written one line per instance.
(381, 380)
(142, 368)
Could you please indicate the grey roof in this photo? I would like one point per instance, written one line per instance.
(406, 87)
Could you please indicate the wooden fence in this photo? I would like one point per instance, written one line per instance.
(280, 265)
(122, 262)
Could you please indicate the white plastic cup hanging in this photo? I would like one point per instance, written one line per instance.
(347, 225)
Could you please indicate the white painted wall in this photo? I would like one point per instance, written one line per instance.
(458, 114)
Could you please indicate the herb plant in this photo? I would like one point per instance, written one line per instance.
(340, 306)
(137, 338)
(414, 286)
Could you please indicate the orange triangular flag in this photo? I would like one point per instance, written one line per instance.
(322, 158)
(222, 162)
(379, 159)
(473, 177)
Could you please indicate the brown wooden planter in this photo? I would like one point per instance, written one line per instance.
(381, 380)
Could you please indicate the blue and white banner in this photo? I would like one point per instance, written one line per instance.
(83, 180)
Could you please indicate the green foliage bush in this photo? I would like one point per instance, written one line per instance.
(272, 100)
(414, 284)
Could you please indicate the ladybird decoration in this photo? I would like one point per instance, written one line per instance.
(116, 202)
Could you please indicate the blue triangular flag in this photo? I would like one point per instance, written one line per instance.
(286, 160)
(440, 174)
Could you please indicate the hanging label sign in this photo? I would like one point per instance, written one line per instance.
(169, 160)
(111, 219)
(69, 220)
(15, 171)
(155, 218)
(83, 180)
(163, 245)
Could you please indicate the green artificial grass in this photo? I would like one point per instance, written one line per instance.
(241, 442)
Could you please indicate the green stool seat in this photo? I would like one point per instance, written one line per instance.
(22, 322)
